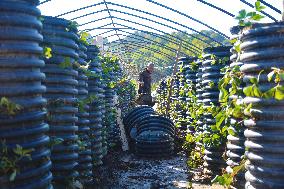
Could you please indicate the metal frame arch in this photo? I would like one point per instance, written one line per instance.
(270, 6)
(157, 16)
(144, 31)
(113, 10)
(129, 21)
(148, 48)
(165, 33)
(133, 36)
(194, 19)
(215, 7)
(144, 40)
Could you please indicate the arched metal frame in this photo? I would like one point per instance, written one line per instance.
(165, 36)
(138, 37)
(160, 17)
(150, 33)
(148, 48)
(129, 21)
(144, 40)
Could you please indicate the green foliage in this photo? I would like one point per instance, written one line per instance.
(9, 159)
(163, 65)
(8, 107)
(247, 18)
(72, 26)
(53, 141)
(66, 63)
(47, 52)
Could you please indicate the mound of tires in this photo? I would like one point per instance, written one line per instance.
(150, 135)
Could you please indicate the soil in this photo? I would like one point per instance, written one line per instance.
(126, 171)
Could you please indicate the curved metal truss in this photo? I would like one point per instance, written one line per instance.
(126, 29)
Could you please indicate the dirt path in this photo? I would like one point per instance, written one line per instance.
(131, 172)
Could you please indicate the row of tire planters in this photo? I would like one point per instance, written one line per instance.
(235, 148)
(132, 119)
(22, 115)
(262, 49)
(211, 74)
(162, 95)
(155, 137)
(126, 94)
(85, 166)
(96, 107)
(61, 83)
(110, 77)
(188, 85)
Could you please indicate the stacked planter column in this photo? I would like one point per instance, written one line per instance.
(211, 73)
(85, 154)
(61, 95)
(110, 118)
(235, 145)
(21, 77)
(262, 49)
(96, 109)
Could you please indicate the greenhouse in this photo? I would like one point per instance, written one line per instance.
(145, 94)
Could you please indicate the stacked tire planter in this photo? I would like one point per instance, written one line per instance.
(211, 73)
(85, 154)
(21, 78)
(96, 109)
(162, 95)
(151, 135)
(155, 137)
(110, 118)
(61, 94)
(132, 119)
(262, 49)
(235, 145)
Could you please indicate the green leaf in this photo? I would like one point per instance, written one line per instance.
(258, 6)
(279, 93)
(242, 14)
(233, 41)
(248, 91)
(256, 91)
(257, 17)
(253, 80)
(270, 93)
(47, 52)
(66, 64)
(238, 48)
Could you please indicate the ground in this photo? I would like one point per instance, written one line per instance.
(126, 171)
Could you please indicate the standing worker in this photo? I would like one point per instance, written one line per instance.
(144, 82)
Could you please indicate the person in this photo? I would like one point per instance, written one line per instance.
(145, 79)
(144, 90)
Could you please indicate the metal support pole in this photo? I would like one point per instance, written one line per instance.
(172, 78)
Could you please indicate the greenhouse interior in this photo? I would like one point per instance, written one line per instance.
(144, 94)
